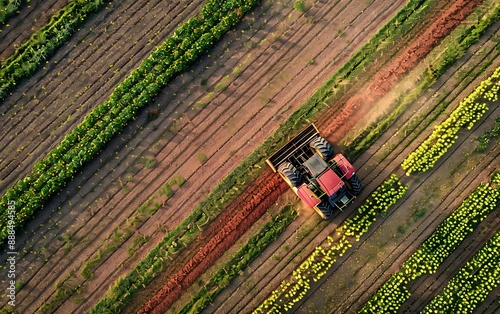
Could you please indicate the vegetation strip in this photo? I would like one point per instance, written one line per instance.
(472, 284)
(491, 134)
(253, 248)
(432, 253)
(8, 8)
(29, 56)
(86, 140)
(470, 110)
(320, 261)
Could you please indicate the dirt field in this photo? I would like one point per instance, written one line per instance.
(270, 58)
(209, 120)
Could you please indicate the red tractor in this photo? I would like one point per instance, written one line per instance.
(323, 180)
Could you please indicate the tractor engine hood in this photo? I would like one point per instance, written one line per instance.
(330, 182)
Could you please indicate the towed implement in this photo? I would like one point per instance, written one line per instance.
(322, 180)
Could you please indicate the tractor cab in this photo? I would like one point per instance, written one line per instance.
(322, 180)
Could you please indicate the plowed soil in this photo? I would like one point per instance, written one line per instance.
(334, 125)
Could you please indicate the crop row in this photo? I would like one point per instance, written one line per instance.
(469, 111)
(473, 282)
(380, 200)
(42, 44)
(86, 140)
(247, 253)
(491, 134)
(321, 260)
(431, 254)
(8, 8)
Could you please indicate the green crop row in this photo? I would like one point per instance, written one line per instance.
(247, 253)
(431, 254)
(7, 8)
(492, 133)
(321, 260)
(87, 139)
(469, 111)
(472, 284)
(380, 200)
(41, 45)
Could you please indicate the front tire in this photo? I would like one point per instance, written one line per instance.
(322, 147)
(291, 175)
(326, 209)
(355, 184)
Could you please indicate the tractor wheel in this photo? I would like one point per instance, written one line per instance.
(291, 176)
(322, 147)
(355, 185)
(326, 209)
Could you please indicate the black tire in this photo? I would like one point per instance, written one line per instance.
(322, 147)
(355, 184)
(326, 209)
(291, 176)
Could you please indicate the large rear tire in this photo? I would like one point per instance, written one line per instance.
(326, 209)
(322, 147)
(291, 175)
(355, 184)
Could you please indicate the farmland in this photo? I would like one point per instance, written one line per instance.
(160, 179)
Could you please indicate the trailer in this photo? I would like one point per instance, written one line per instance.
(323, 180)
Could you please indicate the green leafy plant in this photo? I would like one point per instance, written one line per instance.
(299, 5)
(470, 110)
(431, 254)
(40, 46)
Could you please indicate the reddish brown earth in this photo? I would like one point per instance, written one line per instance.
(334, 126)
